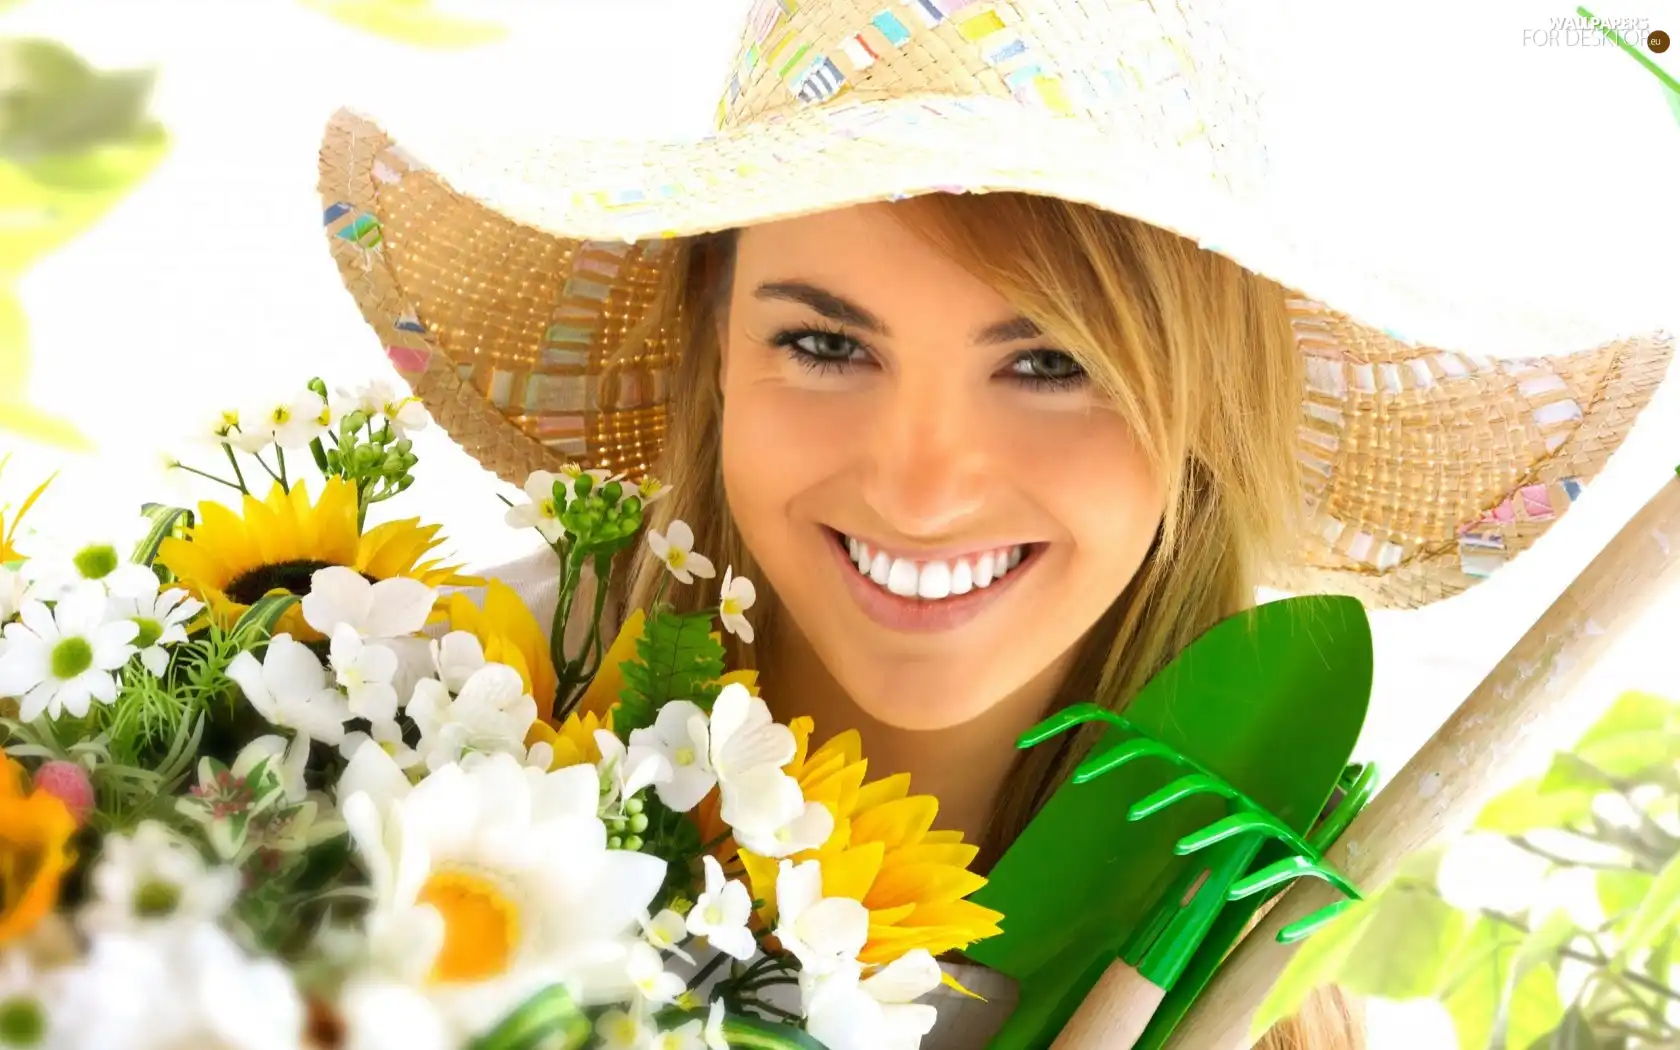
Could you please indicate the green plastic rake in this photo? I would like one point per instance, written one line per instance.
(1224, 780)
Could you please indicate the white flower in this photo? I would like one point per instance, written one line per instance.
(666, 931)
(388, 1015)
(646, 970)
(288, 760)
(688, 1036)
(823, 933)
(181, 987)
(290, 689)
(59, 564)
(493, 880)
(620, 1030)
(680, 735)
(390, 608)
(376, 398)
(492, 713)
(387, 735)
(291, 423)
(364, 670)
(627, 772)
(155, 877)
(456, 656)
(762, 804)
(14, 591)
(876, 1013)
(220, 427)
(734, 600)
(651, 490)
(161, 621)
(675, 547)
(744, 735)
(809, 827)
(541, 513)
(61, 659)
(30, 1002)
(722, 912)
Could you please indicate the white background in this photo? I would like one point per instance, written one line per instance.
(1433, 138)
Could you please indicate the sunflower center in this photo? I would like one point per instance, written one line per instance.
(22, 1022)
(97, 562)
(70, 657)
(480, 926)
(290, 576)
(150, 632)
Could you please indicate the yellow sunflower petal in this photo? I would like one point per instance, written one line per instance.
(955, 854)
(513, 621)
(746, 678)
(952, 983)
(879, 793)
(943, 838)
(922, 884)
(852, 873)
(801, 729)
(899, 823)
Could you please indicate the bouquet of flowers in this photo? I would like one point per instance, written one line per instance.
(275, 776)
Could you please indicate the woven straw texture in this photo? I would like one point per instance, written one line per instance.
(502, 276)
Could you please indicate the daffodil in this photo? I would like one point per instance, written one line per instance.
(161, 620)
(735, 598)
(155, 877)
(35, 854)
(62, 659)
(883, 852)
(230, 560)
(722, 912)
(675, 547)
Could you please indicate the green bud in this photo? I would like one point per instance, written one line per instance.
(615, 826)
(639, 823)
(409, 459)
(583, 484)
(634, 807)
(633, 505)
(404, 446)
(611, 491)
(364, 457)
(634, 842)
(355, 421)
(404, 482)
(614, 842)
(319, 386)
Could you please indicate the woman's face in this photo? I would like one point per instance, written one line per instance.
(942, 501)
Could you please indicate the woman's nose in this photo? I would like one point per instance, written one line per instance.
(927, 449)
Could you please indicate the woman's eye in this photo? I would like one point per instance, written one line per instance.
(827, 346)
(1051, 368)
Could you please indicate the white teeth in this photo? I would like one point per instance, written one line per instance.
(902, 579)
(933, 580)
(962, 578)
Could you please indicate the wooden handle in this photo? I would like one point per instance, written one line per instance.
(1475, 754)
(1114, 1012)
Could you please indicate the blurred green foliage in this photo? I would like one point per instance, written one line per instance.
(74, 141)
(415, 22)
(1540, 974)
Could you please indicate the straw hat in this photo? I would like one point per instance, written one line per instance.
(502, 273)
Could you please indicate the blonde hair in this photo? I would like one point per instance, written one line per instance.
(1196, 353)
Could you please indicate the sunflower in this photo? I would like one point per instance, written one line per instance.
(35, 831)
(884, 853)
(230, 560)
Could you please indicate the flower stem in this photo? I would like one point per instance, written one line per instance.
(211, 477)
(707, 970)
(237, 473)
(280, 457)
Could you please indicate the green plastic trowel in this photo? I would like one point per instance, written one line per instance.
(1204, 799)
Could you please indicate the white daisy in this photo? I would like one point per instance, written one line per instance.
(155, 877)
(30, 1003)
(56, 563)
(168, 988)
(493, 880)
(679, 733)
(675, 547)
(161, 620)
(735, 598)
(14, 591)
(61, 659)
(722, 912)
(392, 608)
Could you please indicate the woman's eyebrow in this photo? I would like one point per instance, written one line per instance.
(840, 309)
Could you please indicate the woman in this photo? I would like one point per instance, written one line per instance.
(985, 454)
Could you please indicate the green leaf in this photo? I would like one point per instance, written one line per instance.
(51, 201)
(549, 1020)
(1635, 734)
(1317, 962)
(751, 1033)
(1621, 891)
(1411, 938)
(1534, 1009)
(1572, 1033)
(1527, 808)
(1656, 915)
(56, 104)
(165, 522)
(258, 621)
(1475, 989)
(412, 22)
(676, 659)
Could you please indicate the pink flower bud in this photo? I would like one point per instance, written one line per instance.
(69, 783)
